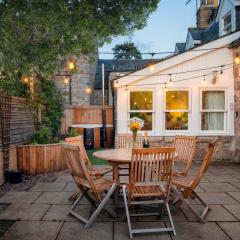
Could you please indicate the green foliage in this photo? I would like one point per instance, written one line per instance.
(43, 136)
(13, 84)
(126, 50)
(49, 100)
(72, 133)
(36, 34)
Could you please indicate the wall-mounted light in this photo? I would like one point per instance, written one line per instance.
(237, 58)
(25, 79)
(66, 80)
(70, 65)
(88, 90)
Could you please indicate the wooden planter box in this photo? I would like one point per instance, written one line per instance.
(41, 158)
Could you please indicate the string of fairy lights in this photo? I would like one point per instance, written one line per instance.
(71, 66)
(171, 81)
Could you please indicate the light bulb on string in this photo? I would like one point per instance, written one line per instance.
(152, 65)
(204, 79)
(126, 88)
(116, 84)
(170, 80)
(221, 72)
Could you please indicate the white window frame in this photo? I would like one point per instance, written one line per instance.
(228, 26)
(225, 111)
(150, 132)
(189, 111)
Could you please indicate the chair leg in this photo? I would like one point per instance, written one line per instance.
(200, 218)
(206, 208)
(76, 215)
(127, 212)
(100, 206)
(171, 220)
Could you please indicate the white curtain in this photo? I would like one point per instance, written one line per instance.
(213, 100)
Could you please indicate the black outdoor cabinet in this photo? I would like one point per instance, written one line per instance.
(89, 138)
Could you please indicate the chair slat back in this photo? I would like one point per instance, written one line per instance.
(78, 141)
(152, 166)
(124, 141)
(203, 168)
(185, 148)
(78, 169)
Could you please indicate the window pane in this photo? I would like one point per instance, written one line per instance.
(176, 100)
(213, 100)
(176, 121)
(212, 121)
(227, 20)
(141, 100)
(146, 117)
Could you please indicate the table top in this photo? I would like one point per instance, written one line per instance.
(116, 155)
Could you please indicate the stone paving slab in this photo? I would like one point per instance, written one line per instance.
(231, 229)
(48, 187)
(234, 209)
(121, 231)
(236, 184)
(64, 178)
(217, 213)
(218, 187)
(217, 198)
(235, 195)
(198, 231)
(75, 231)
(54, 198)
(19, 211)
(222, 179)
(60, 213)
(71, 187)
(19, 197)
(35, 230)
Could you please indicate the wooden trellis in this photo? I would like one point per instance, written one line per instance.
(5, 120)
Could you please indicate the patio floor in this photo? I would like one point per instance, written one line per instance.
(41, 212)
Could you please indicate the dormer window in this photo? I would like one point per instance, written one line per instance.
(209, 2)
(227, 23)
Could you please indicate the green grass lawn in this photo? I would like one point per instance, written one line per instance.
(94, 160)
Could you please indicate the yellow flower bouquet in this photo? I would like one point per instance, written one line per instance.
(135, 124)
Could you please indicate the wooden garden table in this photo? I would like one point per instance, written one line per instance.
(116, 157)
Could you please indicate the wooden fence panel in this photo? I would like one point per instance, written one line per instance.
(22, 128)
(41, 158)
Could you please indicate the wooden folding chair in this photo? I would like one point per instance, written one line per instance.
(185, 148)
(124, 141)
(184, 187)
(78, 141)
(150, 176)
(93, 189)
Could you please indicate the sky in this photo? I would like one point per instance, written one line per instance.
(166, 26)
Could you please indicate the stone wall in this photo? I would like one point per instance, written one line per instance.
(82, 77)
(236, 73)
(97, 97)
